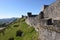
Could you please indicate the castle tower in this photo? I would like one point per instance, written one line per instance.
(29, 14)
(44, 7)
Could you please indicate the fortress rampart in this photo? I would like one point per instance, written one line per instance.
(47, 23)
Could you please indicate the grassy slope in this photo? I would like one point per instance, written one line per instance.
(28, 32)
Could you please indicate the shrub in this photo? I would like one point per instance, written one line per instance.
(19, 33)
(16, 25)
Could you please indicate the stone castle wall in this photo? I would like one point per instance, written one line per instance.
(47, 32)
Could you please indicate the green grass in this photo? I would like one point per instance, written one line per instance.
(29, 33)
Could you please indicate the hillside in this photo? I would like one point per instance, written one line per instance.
(25, 31)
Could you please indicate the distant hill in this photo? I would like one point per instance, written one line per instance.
(7, 20)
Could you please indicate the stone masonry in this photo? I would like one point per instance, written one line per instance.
(47, 23)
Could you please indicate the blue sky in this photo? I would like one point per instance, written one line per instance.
(16, 8)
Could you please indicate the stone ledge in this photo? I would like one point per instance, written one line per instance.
(52, 28)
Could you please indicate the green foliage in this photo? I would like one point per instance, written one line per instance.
(29, 33)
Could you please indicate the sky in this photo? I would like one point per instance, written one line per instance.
(16, 8)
